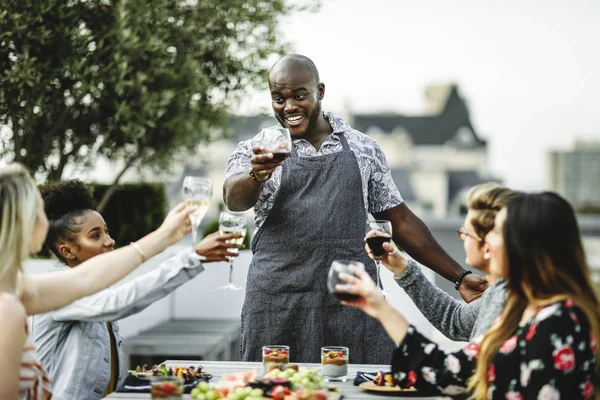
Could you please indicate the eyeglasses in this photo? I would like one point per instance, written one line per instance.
(462, 232)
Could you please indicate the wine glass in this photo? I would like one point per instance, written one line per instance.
(197, 191)
(380, 231)
(232, 222)
(333, 278)
(277, 141)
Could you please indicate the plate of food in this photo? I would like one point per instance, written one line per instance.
(385, 383)
(189, 374)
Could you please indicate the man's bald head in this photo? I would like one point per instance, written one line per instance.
(291, 63)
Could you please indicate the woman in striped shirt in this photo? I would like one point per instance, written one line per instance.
(23, 229)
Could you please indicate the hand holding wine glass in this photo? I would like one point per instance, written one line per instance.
(176, 224)
(218, 247)
(197, 191)
(232, 223)
(356, 289)
(392, 259)
(333, 278)
(274, 146)
(380, 232)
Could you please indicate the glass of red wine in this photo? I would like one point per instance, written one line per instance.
(337, 267)
(277, 141)
(380, 232)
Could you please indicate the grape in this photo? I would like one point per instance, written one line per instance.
(203, 387)
(200, 396)
(211, 395)
(195, 392)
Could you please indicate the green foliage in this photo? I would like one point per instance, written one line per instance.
(589, 208)
(135, 80)
(213, 226)
(134, 210)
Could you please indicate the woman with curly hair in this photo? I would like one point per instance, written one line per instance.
(23, 229)
(543, 345)
(80, 344)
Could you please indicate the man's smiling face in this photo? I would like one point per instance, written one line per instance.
(295, 97)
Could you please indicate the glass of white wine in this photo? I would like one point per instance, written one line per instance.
(197, 191)
(232, 223)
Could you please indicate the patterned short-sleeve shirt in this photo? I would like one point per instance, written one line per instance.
(379, 190)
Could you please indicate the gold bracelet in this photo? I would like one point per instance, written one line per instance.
(139, 250)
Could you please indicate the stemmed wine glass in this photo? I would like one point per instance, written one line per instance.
(197, 191)
(277, 141)
(333, 278)
(380, 232)
(232, 223)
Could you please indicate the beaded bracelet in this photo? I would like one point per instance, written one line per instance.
(139, 250)
(253, 176)
(461, 277)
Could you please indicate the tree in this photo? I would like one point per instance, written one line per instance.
(134, 80)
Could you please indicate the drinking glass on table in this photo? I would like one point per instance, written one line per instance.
(232, 222)
(380, 232)
(337, 267)
(277, 141)
(197, 191)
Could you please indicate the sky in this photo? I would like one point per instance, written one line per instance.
(529, 70)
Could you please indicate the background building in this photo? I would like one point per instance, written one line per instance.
(574, 174)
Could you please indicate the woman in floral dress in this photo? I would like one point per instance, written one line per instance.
(543, 346)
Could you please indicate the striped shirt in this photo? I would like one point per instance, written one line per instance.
(33, 381)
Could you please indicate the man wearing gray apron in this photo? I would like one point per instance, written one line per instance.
(312, 209)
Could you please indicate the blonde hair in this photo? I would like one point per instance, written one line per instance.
(19, 202)
(484, 201)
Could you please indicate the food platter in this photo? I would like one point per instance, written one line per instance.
(371, 386)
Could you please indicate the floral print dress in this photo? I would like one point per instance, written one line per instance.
(552, 356)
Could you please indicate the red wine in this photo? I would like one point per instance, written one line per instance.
(376, 245)
(346, 296)
(280, 156)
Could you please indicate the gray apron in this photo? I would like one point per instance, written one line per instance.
(318, 216)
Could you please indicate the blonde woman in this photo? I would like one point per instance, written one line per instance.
(544, 345)
(23, 229)
(456, 319)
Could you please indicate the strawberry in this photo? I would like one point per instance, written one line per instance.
(340, 353)
(268, 351)
(167, 387)
(284, 352)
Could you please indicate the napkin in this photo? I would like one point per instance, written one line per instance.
(365, 377)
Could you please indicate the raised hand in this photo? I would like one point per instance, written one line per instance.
(370, 301)
(392, 259)
(214, 247)
(263, 163)
(177, 223)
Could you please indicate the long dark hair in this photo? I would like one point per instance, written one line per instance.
(546, 264)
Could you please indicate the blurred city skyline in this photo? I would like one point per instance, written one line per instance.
(529, 71)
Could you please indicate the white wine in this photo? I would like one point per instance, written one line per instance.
(229, 231)
(200, 211)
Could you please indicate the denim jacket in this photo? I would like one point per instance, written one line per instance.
(73, 342)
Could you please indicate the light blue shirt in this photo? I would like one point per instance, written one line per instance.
(73, 342)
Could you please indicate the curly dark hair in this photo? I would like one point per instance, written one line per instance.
(65, 203)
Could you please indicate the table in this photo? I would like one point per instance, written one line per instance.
(216, 368)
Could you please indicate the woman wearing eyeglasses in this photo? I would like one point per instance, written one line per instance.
(458, 320)
(543, 346)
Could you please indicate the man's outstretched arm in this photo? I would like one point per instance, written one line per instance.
(416, 239)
